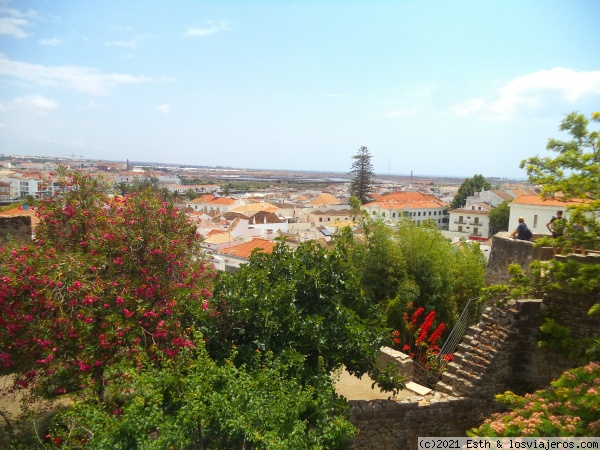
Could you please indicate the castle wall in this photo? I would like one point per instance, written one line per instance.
(18, 227)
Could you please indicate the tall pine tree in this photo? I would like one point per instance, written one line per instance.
(362, 169)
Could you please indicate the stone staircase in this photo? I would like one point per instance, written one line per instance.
(483, 362)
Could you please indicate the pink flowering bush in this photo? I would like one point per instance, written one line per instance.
(105, 279)
(568, 408)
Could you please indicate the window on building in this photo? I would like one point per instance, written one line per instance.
(393, 214)
(460, 228)
(535, 219)
(429, 212)
(320, 219)
(419, 213)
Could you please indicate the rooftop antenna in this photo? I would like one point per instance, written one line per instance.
(411, 177)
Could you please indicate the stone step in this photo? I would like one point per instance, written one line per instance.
(473, 331)
(474, 368)
(443, 388)
(457, 358)
(463, 348)
(448, 378)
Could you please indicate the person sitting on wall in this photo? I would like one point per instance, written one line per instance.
(522, 232)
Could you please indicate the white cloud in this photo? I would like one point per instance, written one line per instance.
(165, 109)
(524, 91)
(83, 79)
(51, 42)
(402, 112)
(211, 27)
(131, 43)
(13, 22)
(34, 103)
(533, 92)
(466, 108)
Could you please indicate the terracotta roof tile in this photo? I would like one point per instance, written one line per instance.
(245, 250)
(219, 238)
(503, 194)
(537, 200)
(403, 200)
(255, 207)
(324, 199)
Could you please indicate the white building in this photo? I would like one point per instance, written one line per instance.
(471, 221)
(536, 211)
(415, 206)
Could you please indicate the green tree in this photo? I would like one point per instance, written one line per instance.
(412, 263)
(362, 171)
(499, 218)
(227, 189)
(192, 402)
(303, 305)
(574, 173)
(468, 188)
(378, 260)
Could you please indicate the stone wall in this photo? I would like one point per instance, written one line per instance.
(500, 353)
(397, 425)
(388, 355)
(18, 227)
(505, 251)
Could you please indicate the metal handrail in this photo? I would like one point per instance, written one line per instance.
(424, 376)
(459, 330)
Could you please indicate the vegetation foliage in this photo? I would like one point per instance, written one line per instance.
(415, 263)
(110, 306)
(362, 171)
(573, 173)
(568, 408)
(468, 188)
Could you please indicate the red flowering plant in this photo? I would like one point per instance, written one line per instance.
(420, 338)
(104, 279)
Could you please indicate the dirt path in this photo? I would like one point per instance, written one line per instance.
(360, 389)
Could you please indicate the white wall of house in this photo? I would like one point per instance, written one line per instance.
(320, 218)
(262, 228)
(218, 207)
(470, 222)
(536, 216)
(485, 196)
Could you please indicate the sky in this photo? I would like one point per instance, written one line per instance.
(441, 87)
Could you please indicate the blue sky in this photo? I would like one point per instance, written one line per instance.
(436, 87)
